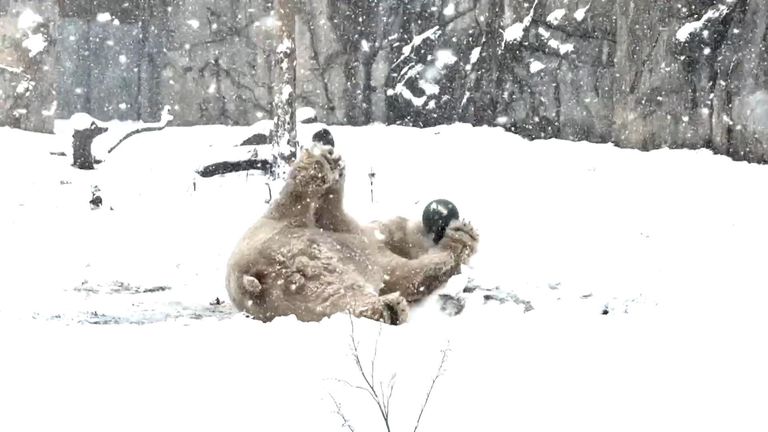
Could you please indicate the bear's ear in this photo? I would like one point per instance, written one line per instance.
(323, 137)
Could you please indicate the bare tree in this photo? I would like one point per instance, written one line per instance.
(82, 139)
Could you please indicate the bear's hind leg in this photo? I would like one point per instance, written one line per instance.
(313, 172)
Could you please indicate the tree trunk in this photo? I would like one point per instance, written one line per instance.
(284, 130)
(81, 152)
(227, 167)
(82, 139)
(366, 98)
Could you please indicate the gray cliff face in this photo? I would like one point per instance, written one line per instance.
(644, 74)
(562, 83)
(740, 102)
(662, 85)
(692, 75)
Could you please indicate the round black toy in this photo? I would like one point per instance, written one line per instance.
(436, 217)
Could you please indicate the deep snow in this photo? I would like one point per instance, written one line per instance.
(671, 244)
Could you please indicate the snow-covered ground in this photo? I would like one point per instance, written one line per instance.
(645, 272)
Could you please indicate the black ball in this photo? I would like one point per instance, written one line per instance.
(436, 217)
(96, 201)
(324, 137)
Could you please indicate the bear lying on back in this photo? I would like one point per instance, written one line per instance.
(305, 256)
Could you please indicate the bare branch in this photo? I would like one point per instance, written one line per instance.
(350, 385)
(443, 22)
(15, 71)
(356, 357)
(439, 373)
(225, 34)
(384, 402)
(161, 126)
(389, 395)
(237, 83)
(378, 399)
(269, 189)
(340, 413)
(375, 353)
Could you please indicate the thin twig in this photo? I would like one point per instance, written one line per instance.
(356, 358)
(340, 413)
(269, 189)
(389, 396)
(352, 386)
(375, 353)
(431, 387)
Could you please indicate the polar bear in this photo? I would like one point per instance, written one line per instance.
(306, 257)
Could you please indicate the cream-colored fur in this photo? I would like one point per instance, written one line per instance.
(308, 258)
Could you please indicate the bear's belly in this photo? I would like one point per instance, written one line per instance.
(314, 272)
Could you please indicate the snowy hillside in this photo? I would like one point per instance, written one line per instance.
(614, 289)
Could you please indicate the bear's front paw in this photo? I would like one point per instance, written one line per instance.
(461, 240)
